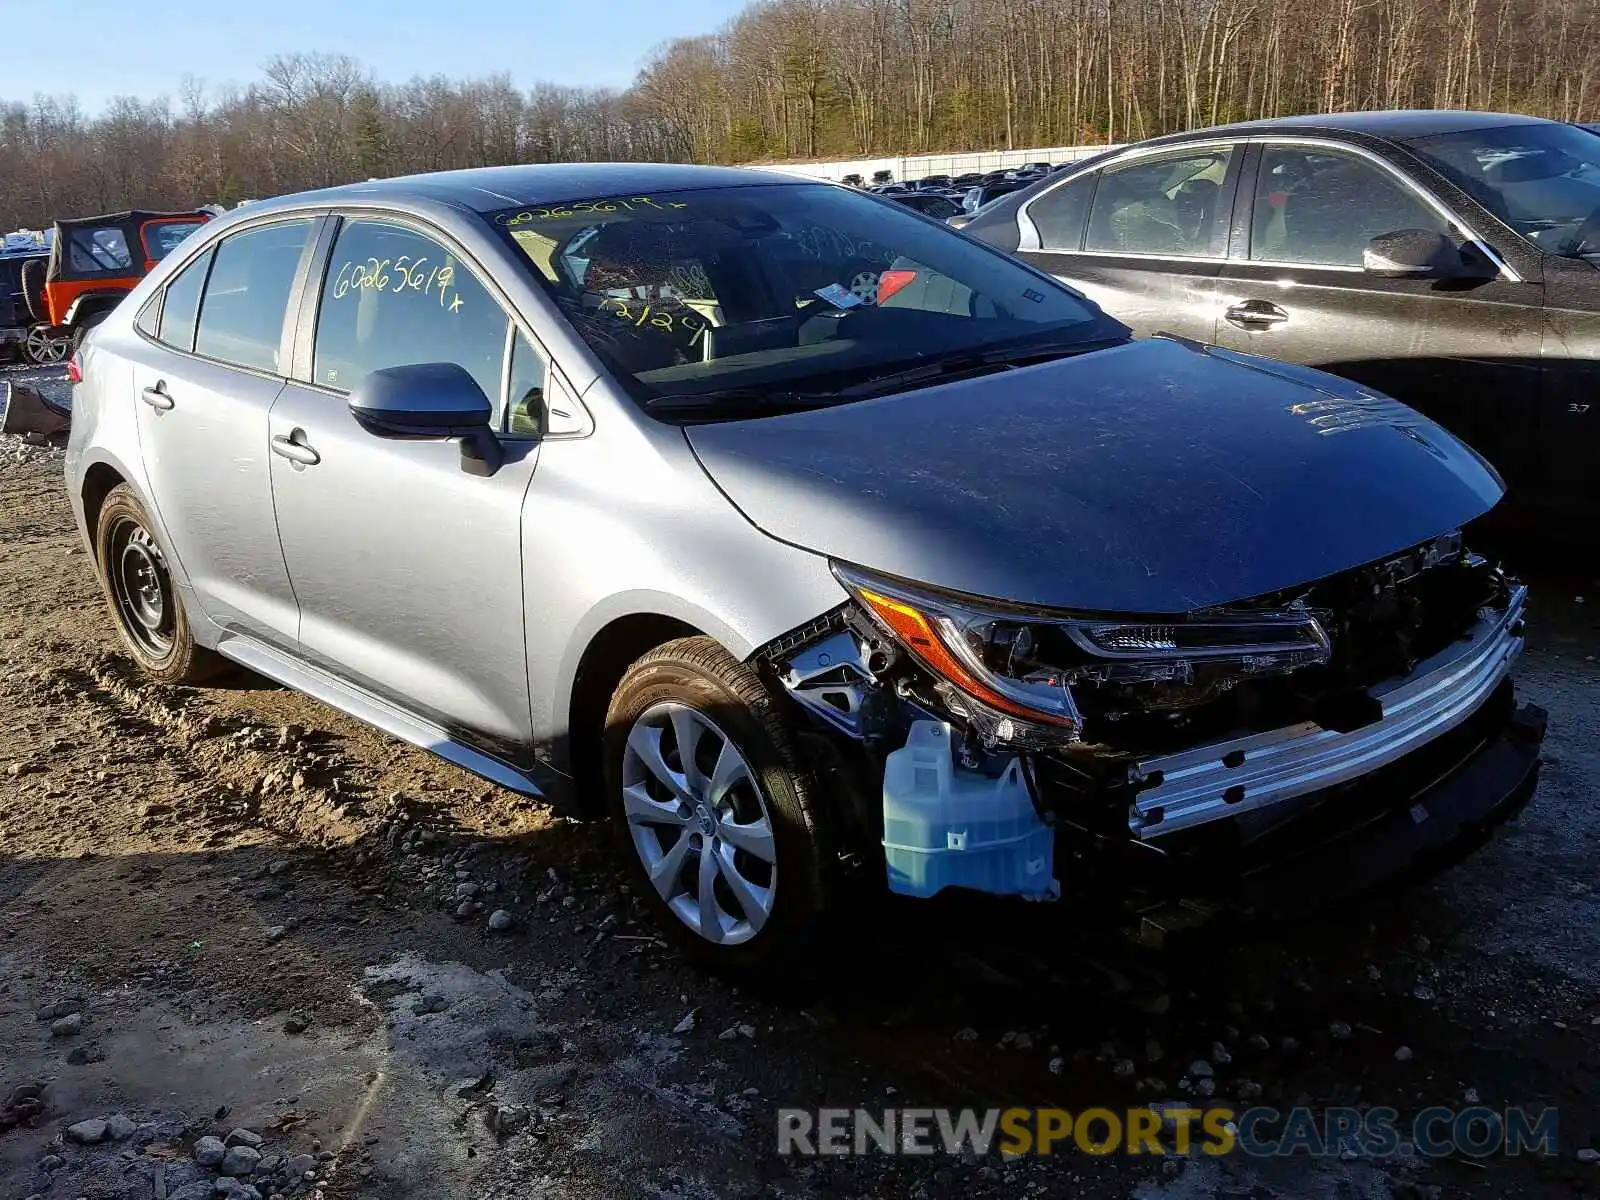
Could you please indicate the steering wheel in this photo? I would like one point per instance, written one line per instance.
(1588, 232)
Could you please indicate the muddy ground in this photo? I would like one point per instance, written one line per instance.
(233, 908)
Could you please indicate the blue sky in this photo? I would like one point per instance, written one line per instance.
(102, 48)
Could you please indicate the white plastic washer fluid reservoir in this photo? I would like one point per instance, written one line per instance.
(944, 826)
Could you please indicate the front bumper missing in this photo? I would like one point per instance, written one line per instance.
(1245, 775)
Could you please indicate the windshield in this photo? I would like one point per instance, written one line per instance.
(781, 286)
(1543, 180)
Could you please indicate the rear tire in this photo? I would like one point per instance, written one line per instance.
(146, 607)
(727, 853)
(82, 328)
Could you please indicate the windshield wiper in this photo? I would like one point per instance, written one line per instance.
(738, 402)
(973, 363)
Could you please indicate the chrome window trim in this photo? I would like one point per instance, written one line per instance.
(1028, 233)
(1281, 764)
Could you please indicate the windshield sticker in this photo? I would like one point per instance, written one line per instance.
(641, 315)
(403, 275)
(838, 295)
(586, 208)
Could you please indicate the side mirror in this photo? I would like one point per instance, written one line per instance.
(430, 400)
(1413, 254)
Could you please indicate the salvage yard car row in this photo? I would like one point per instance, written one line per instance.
(813, 543)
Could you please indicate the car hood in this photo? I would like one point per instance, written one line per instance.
(1153, 477)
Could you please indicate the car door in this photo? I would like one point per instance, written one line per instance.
(1572, 386)
(407, 568)
(1464, 351)
(1143, 237)
(206, 369)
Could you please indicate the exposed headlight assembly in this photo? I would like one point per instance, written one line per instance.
(1022, 665)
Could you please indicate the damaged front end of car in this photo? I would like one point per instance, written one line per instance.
(1269, 757)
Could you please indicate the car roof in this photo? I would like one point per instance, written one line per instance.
(1393, 123)
(486, 189)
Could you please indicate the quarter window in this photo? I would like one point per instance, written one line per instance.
(1321, 207)
(526, 399)
(1059, 214)
(1167, 207)
(247, 295)
(182, 304)
(393, 297)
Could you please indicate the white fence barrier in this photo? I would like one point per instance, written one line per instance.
(917, 166)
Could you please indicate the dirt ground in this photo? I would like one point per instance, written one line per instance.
(235, 909)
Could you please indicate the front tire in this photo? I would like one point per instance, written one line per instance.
(714, 808)
(145, 605)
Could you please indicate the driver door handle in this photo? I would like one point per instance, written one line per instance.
(156, 397)
(294, 448)
(1255, 314)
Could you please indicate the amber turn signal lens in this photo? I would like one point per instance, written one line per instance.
(917, 634)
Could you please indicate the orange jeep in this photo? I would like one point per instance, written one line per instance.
(94, 262)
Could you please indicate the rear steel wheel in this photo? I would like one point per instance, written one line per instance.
(141, 587)
(144, 602)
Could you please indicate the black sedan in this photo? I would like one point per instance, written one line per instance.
(930, 204)
(1449, 259)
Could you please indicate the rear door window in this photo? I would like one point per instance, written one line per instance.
(392, 297)
(247, 295)
(1165, 207)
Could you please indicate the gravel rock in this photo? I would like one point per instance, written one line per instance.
(500, 921)
(52, 1162)
(277, 933)
(198, 1190)
(1588, 1155)
(120, 1127)
(209, 1151)
(232, 1189)
(84, 1055)
(243, 1137)
(685, 1025)
(67, 1026)
(1339, 1031)
(1403, 1054)
(1219, 1054)
(298, 1166)
(1123, 1068)
(61, 1008)
(1424, 993)
(240, 1160)
(1200, 1069)
(87, 1133)
(1058, 1065)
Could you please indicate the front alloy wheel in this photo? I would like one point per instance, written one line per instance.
(714, 807)
(699, 823)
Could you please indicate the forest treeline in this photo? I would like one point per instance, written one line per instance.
(815, 78)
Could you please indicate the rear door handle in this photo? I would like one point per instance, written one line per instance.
(156, 397)
(1255, 314)
(294, 448)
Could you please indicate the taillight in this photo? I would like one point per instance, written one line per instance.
(74, 370)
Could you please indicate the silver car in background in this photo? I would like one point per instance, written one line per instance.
(807, 538)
